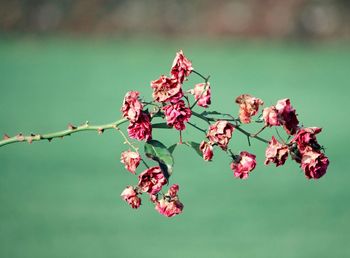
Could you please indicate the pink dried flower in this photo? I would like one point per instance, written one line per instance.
(282, 114)
(207, 149)
(131, 160)
(248, 107)
(314, 163)
(243, 165)
(170, 204)
(177, 115)
(270, 116)
(132, 107)
(306, 137)
(220, 133)
(130, 196)
(202, 94)
(181, 67)
(169, 209)
(152, 180)
(287, 115)
(166, 89)
(141, 129)
(276, 153)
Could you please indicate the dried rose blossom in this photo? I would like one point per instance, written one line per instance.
(131, 160)
(248, 107)
(243, 165)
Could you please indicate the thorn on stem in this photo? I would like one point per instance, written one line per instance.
(100, 131)
(20, 137)
(49, 139)
(71, 127)
(5, 137)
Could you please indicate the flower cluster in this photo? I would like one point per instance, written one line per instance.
(306, 151)
(172, 103)
(168, 92)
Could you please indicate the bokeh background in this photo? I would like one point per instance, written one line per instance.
(70, 61)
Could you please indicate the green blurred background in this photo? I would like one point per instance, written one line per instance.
(61, 199)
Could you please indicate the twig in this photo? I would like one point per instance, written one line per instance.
(198, 128)
(208, 119)
(60, 134)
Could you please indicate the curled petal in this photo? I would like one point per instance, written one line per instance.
(181, 67)
(248, 107)
(207, 150)
(132, 107)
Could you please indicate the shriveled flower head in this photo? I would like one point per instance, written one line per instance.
(248, 107)
(131, 160)
(220, 133)
(141, 129)
(152, 180)
(132, 107)
(306, 137)
(276, 153)
(270, 115)
(131, 197)
(166, 89)
(207, 150)
(314, 163)
(177, 115)
(202, 94)
(170, 204)
(243, 165)
(288, 116)
(282, 114)
(181, 67)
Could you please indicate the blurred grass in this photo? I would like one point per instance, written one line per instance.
(61, 199)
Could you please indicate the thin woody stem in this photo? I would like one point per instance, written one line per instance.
(262, 129)
(130, 144)
(202, 76)
(197, 127)
(278, 133)
(249, 135)
(60, 134)
(126, 139)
